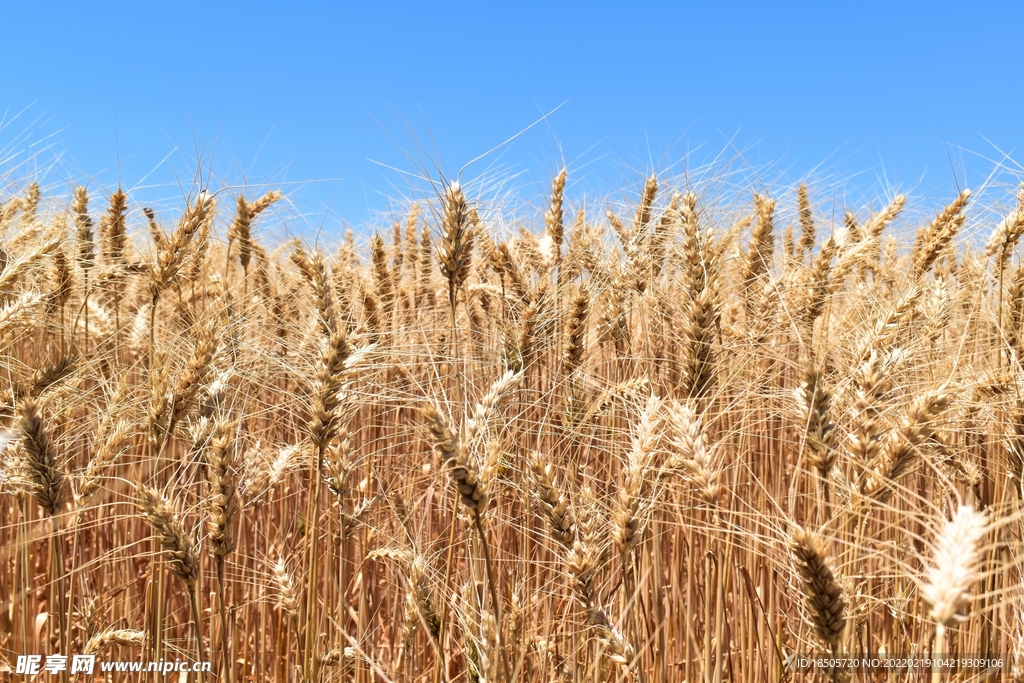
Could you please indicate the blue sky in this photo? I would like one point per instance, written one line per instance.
(341, 102)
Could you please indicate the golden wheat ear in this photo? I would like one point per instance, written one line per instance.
(164, 519)
(813, 402)
(576, 330)
(691, 453)
(456, 248)
(452, 452)
(899, 452)
(222, 498)
(955, 566)
(822, 593)
(176, 248)
(932, 239)
(553, 219)
(560, 517)
(287, 599)
(110, 636)
(113, 233)
(807, 231)
(47, 481)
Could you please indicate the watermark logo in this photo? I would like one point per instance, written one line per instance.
(31, 665)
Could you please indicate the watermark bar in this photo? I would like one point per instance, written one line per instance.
(895, 663)
(33, 665)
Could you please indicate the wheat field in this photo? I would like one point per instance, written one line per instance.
(695, 436)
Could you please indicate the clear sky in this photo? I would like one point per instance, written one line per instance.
(332, 96)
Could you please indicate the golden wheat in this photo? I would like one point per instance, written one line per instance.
(465, 445)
